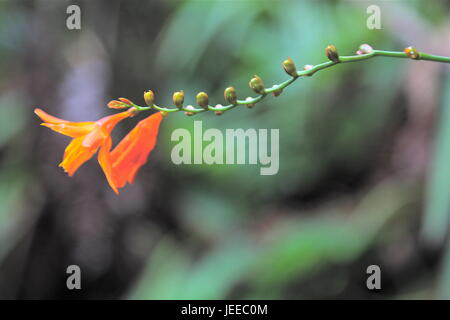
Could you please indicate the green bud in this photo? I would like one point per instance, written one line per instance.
(332, 53)
(149, 97)
(202, 100)
(289, 67)
(257, 85)
(178, 98)
(230, 95)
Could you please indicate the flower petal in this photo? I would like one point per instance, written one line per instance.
(105, 163)
(132, 152)
(75, 155)
(71, 129)
(48, 118)
(109, 122)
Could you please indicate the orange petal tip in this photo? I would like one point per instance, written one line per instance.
(115, 104)
(125, 100)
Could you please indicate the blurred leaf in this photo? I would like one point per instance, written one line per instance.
(220, 271)
(12, 117)
(302, 247)
(12, 226)
(437, 210)
(167, 267)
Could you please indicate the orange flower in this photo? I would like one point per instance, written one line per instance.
(88, 137)
(132, 152)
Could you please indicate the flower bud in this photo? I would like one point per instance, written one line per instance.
(219, 112)
(332, 53)
(230, 95)
(289, 67)
(178, 98)
(412, 53)
(116, 104)
(249, 105)
(277, 92)
(202, 100)
(149, 97)
(126, 101)
(307, 67)
(187, 110)
(257, 85)
(364, 49)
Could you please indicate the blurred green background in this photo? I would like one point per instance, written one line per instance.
(364, 153)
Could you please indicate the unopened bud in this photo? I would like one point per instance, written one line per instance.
(412, 53)
(178, 98)
(202, 100)
(218, 112)
(289, 67)
(187, 110)
(307, 67)
(149, 97)
(332, 53)
(277, 92)
(257, 85)
(116, 104)
(230, 95)
(364, 49)
(126, 101)
(249, 105)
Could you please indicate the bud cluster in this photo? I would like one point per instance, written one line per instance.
(257, 84)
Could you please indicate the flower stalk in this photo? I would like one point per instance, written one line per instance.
(365, 52)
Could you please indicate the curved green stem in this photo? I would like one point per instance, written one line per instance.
(308, 72)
